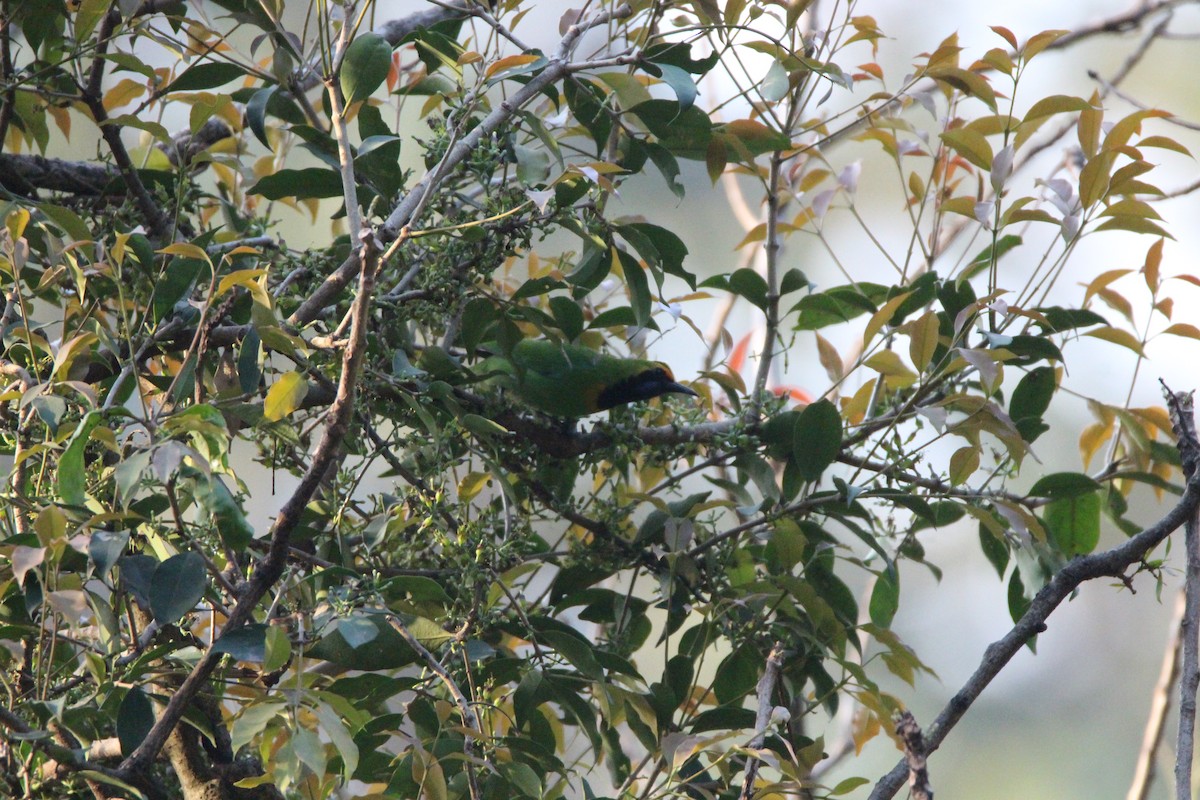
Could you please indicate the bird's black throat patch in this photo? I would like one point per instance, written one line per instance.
(642, 386)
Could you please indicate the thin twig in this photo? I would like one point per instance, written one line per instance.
(465, 710)
(762, 719)
(1160, 705)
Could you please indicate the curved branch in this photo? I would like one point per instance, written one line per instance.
(271, 568)
(1106, 564)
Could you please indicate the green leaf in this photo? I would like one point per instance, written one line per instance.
(135, 718)
(1074, 523)
(568, 315)
(817, 439)
(225, 512)
(256, 113)
(613, 318)
(684, 132)
(247, 643)
(278, 649)
(589, 106)
(1065, 319)
(680, 81)
(523, 778)
(386, 649)
(667, 166)
(72, 471)
(207, 75)
(1062, 485)
(749, 284)
(885, 598)
(576, 650)
(368, 59)
(991, 255)
(995, 549)
(779, 434)
(1018, 603)
(1032, 396)
(1030, 349)
(839, 304)
(658, 246)
(736, 675)
(105, 549)
(176, 284)
(639, 287)
(177, 585)
(302, 183)
(722, 718)
(68, 221)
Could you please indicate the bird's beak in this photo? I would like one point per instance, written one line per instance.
(679, 388)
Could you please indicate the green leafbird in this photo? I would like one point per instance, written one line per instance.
(571, 381)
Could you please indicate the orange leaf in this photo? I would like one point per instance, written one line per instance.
(737, 358)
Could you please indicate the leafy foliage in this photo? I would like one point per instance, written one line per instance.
(459, 597)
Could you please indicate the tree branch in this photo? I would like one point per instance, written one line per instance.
(1108, 563)
(409, 208)
(762, 718)
(1183, 422)
(271, 568)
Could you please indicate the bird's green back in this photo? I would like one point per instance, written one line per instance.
(567, 380)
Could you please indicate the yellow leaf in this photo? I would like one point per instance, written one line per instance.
(959, 205)
(509, 62)
(1102, 280)
(185, 250)
(1056, 104)
(472, 484)
(241, 277)
(1183, 329)
(923, 340)
(1119, 337)
(866, 727)
(830, 360)
(284, 396)
(881, 316)
(1095, 177)
(1151, 267)
(71, 350)
(963, 464)
(1164, 143)
(1089, 126)
(1092, 438)
(916, 186)
(1156, 416)
(895, 372)
(124, 92)
(971, 145)
(1040, 41)
(1117, 302)
(755, 234)
(855, 409)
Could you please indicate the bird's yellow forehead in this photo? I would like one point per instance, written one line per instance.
(670, 375)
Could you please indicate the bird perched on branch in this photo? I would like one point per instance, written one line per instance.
(571, 381)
